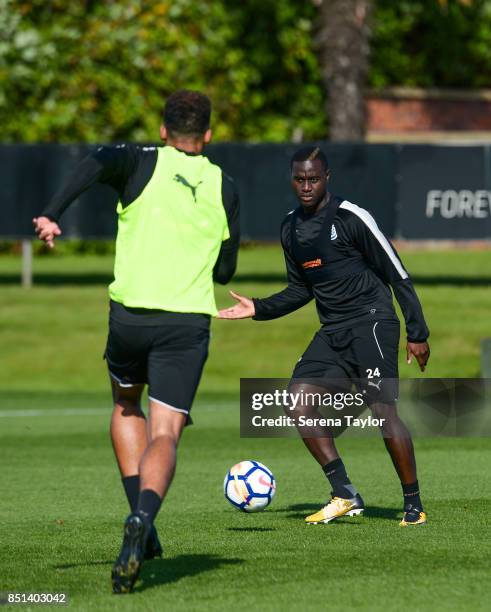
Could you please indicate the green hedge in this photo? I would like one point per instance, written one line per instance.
(63, 247)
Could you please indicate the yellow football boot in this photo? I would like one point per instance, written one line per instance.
(336, 508)
(413, 516)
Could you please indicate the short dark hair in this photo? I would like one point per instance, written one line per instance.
(309, 154)
(187, 112)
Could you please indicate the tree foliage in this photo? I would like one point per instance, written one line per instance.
(432, 43)
(100, 70)
(96, 70)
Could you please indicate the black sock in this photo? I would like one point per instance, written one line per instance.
(340, 483)
(131, 486)
(148, 505)
(411, 495)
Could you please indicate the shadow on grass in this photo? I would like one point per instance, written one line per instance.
(378, 512)
(158, 572)
(299, 511)
(250, 529)
(104, 278)
(165, 571)
(85, 564)
(298, 508)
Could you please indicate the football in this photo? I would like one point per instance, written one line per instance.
(249, 486)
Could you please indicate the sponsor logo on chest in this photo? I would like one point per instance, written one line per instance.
(316, 263)
(313, 263)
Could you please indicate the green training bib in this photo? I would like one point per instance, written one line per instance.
(169, 238)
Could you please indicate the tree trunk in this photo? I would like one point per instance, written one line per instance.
(344, 46)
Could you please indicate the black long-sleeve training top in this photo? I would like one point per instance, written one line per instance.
(352, 278)
(128, 169)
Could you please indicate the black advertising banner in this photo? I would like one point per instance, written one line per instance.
(444, 192)
(416, 192)
(366, 175)
(31, 174)
(261, 173)
(29, 177)
(362, 173)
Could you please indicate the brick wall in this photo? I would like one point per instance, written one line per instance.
(401, 110)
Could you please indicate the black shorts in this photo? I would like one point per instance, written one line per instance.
(365, 354)
(168, 358)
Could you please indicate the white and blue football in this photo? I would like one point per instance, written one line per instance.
(249, 486)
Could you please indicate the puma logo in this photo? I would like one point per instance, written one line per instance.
(376, 385)
(180, 179)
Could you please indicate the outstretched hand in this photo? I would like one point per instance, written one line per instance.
(242, 310)
(46, 230)
(421, 352)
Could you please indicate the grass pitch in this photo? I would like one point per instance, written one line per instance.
(63, 505)
(62, 520)
(54, 334)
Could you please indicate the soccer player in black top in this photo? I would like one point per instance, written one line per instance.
(336, 254)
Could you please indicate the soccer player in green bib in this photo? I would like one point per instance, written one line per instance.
(178, 230)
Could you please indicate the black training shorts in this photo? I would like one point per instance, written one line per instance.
(366, 354)
(169, 358)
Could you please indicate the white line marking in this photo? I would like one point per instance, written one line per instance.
(37, 412)
(375, 336)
